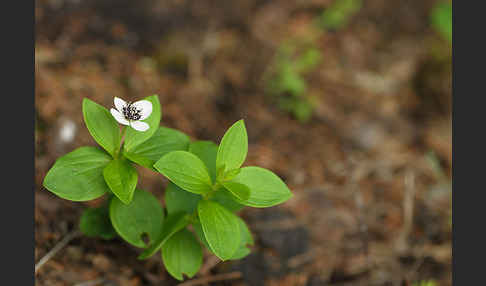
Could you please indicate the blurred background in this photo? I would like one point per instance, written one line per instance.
(348, 101)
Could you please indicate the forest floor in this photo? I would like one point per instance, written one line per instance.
(370, 171)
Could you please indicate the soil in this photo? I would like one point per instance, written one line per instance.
(370, 171)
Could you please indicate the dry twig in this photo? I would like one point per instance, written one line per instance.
(207, 279)
(210, 263)
(408, 203)
(70, 236)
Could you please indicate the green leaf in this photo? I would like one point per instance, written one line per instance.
(206, 151)
(174, 223)
(95, 222)
(102, 126)
(177, 200)
(241, 253)
(78, 175)
(220, 173)
(162, 142)
(200, 234)
(293, 83)
(245, 239)
(227, 200)
(240, 191)
(134, 137)
(308, 60)
(182, 253)
(122, 179)
(441, 18)
(233, 147)
(231, 174)
(185, 170)
(144, 215)
(339, 13)
(266, 188)
(221, 228)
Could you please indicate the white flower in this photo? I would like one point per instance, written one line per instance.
(132, 113)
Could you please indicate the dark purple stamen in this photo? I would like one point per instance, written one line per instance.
(130, 112)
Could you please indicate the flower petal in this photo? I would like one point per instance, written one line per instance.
(119, 117)
(139, 125)
(145, 106)
(119, 103)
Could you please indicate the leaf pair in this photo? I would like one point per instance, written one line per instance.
(88, 173)
(191, 173)
(251, 186)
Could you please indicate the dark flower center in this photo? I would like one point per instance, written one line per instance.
(131, 112)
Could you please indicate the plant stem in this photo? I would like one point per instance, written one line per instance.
(193, 217)
(123, 132)
(216, 186)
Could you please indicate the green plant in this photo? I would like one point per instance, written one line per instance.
(424, 283)
(287, 82)
(296, 58)
(441, 19)
(338, 14)
(207, 187)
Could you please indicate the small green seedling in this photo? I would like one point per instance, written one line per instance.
(287, 82)
(424, 283)
(338, 14)
(441, 19)
(208, 186)
(296, 58)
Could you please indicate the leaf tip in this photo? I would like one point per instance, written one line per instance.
(85, 103)
(146, 254)
(44, 181)
(125, 201)
(241, 122)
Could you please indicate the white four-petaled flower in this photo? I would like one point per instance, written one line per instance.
(131, 114)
